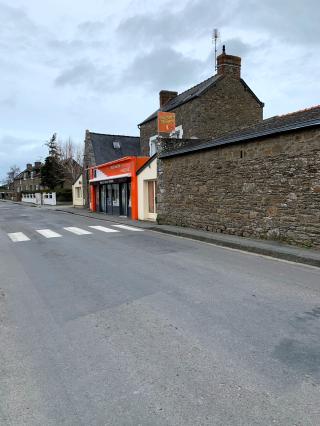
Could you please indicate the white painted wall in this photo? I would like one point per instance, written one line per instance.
(149, 173)
(29, 198)
(49, 199)
(78, 201)
(38, 198)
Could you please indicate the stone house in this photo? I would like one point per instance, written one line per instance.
(29, 179)
(102, 148)
(220, 104)
(260, 182)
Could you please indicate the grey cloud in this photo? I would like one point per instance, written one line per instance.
(295, 21)
(164, 67)
(236, 46)
(195, 19)
(85, 73)
(19, 151)
(8, 101)
(76, 74)
(92, 28)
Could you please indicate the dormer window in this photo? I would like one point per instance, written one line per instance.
(153, 145)
(116, 145)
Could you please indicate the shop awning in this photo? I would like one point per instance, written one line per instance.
(100, 178)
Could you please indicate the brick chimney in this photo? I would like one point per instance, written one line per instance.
(29, 166)
(37, 164)
(165, 96)
(229, 65)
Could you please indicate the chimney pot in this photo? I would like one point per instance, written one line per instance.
(229, 65)
(166, 96)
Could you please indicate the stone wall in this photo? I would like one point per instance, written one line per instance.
(227, 106)
(88, 161)
(268, 188)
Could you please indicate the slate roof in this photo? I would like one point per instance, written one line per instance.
(104, 150)
(278, 124)
(193, 93)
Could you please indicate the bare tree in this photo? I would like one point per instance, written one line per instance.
(12, 174)
(71, 157)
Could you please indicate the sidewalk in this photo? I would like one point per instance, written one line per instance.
(264, 247)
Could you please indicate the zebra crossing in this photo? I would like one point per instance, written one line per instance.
(18, 237)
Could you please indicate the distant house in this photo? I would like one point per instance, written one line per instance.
(220, 104)
(29, 180)
(102, 148)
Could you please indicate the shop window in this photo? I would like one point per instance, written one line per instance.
(115, 195)
(152, 196)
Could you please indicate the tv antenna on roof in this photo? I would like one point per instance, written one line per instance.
(215, 36)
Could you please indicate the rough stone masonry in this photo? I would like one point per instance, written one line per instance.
(267, 188)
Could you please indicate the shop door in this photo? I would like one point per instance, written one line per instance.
(115, 199)
(103, 198)
(109, 199)
(123, 199)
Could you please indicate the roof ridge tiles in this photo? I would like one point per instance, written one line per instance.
(109, 134)
(196, 85)
(298, 111)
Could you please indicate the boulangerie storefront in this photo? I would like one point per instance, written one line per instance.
(114, 187)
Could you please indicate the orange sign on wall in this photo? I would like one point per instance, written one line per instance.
(166, 122)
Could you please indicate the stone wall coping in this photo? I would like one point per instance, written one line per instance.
(246, 135)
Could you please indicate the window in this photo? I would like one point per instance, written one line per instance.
(152, 196)
(116, 145)
(177, 133)
(153, 145)
(32, 175)
(78, 192)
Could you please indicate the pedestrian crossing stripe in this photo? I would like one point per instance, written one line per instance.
(18, 237)
(77, 231)
(47, 233)
(103, 229)
(128, 228)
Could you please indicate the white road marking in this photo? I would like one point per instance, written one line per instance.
(17, 237)
(77, 231)
(129, 228)
(103, 229)
(47, 233)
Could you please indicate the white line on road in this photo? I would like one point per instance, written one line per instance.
(48, 233)
(129, 228)
(77, 231)
(17, 237)
(103, 229)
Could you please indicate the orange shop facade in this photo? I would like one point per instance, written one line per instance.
(114, 187)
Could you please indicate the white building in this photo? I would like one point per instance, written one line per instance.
(147, 180)
(77, 192)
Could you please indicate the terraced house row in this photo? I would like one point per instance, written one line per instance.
(223, 168)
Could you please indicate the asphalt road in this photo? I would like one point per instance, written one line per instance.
(141, 328)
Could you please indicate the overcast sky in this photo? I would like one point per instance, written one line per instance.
(71, 65)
